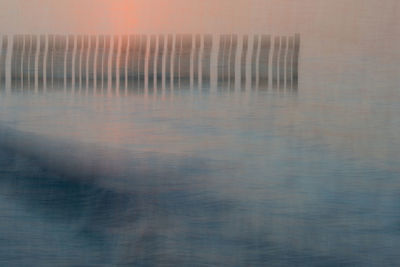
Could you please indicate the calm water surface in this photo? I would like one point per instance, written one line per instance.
(234, 178)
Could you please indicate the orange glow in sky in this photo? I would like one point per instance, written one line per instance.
(123, 16)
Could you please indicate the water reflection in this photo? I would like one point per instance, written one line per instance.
(130, 208)
(237, 178)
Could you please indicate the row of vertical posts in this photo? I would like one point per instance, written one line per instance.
(266, 63)
(136, 62)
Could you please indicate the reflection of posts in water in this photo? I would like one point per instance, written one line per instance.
(275, 62)
(206, 62)
(296, 52)
(263, 72)
(254, 62)
(168, 61)
(243, 62)
(3, 57)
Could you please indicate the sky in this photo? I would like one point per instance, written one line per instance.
(349, 18)
(329, 28)
(124, 16)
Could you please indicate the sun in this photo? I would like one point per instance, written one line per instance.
(123, 16)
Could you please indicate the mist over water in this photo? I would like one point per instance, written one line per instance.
(261, 139)
(189, 178)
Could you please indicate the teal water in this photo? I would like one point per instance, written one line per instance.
(190, 178)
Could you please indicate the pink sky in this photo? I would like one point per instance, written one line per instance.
(346, 17)
(329, 26)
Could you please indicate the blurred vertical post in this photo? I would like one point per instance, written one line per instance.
(296, 53)
(265, 47)
(3, 57)
(243, 62)
(206, 62)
